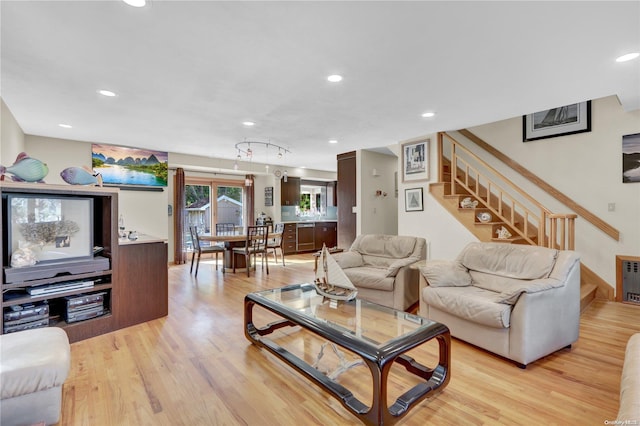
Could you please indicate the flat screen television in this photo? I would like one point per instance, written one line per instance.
(55, 227)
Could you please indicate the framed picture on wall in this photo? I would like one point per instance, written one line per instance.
(268, 196)
(413, 201)
(130, 168)
(554, 122)
(415, 161)
(631, 158)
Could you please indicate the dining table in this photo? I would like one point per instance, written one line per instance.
(234, 240)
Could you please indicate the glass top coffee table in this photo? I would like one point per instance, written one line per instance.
(377, 334)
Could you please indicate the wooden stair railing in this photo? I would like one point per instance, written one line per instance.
(555, 230)
(543, 185)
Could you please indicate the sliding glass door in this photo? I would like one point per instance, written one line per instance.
(229, 207)
(208, 202)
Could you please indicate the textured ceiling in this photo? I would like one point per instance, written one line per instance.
(187, 74)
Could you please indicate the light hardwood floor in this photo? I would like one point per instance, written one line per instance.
(195, 367)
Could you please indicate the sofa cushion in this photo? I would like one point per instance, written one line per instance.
(445, 273)
(348, 259)
(370, 277)
(470, 303)
(509, 260)
(391, 246)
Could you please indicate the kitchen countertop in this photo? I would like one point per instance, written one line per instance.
(310, 221)
(142, 239)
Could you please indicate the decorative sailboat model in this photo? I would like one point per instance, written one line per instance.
(331, 280)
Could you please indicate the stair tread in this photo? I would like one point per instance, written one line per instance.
(587, 295)
(586, 289)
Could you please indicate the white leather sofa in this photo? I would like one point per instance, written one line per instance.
(520, 302)
(629, 411)
(33, 366)
(378, 265)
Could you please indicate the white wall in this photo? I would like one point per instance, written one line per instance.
(444, 234)
(11, 136)
(378, 214)
(587, 167)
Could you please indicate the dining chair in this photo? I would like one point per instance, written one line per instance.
(256, 243)
(225, 228)
(277, 242)
(200, 248)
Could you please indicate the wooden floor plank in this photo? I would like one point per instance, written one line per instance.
(195, 367)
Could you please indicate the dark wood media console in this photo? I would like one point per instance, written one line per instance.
(135, 285)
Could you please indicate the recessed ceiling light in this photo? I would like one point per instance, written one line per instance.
(627, 57)
(428, 114)
(135, 3)
(65, 126)
(334, 78)
(248, 123)
(108, 93)
(333, 141)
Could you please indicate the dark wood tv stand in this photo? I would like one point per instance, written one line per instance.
(135, 285)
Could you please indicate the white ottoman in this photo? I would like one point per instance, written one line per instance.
(33, 366)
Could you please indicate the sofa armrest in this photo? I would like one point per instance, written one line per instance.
(348, 259)
(545, 321)
(445, 273)
(511, 295)
(392, 270)
(629, 409)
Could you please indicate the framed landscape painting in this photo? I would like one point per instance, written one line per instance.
(123, 166)
(415, 161)
(554, 122)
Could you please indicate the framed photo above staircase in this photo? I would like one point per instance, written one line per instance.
(560, 121)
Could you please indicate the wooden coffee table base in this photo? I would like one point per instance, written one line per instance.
(379, 413)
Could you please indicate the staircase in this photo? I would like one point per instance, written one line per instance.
(489, 209)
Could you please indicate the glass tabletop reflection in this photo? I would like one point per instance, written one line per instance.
(368, 322)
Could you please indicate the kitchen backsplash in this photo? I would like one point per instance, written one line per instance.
(290, 214)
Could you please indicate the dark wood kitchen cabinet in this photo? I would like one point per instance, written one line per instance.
(290, 192)
(326, 233)
(290, 238)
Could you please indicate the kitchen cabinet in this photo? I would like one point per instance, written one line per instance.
(301, 237)
(290, 192)
(346, 196)
(290, 238)
(325, 233)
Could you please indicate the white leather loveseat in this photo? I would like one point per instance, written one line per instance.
(520, 302)
(378, 265)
